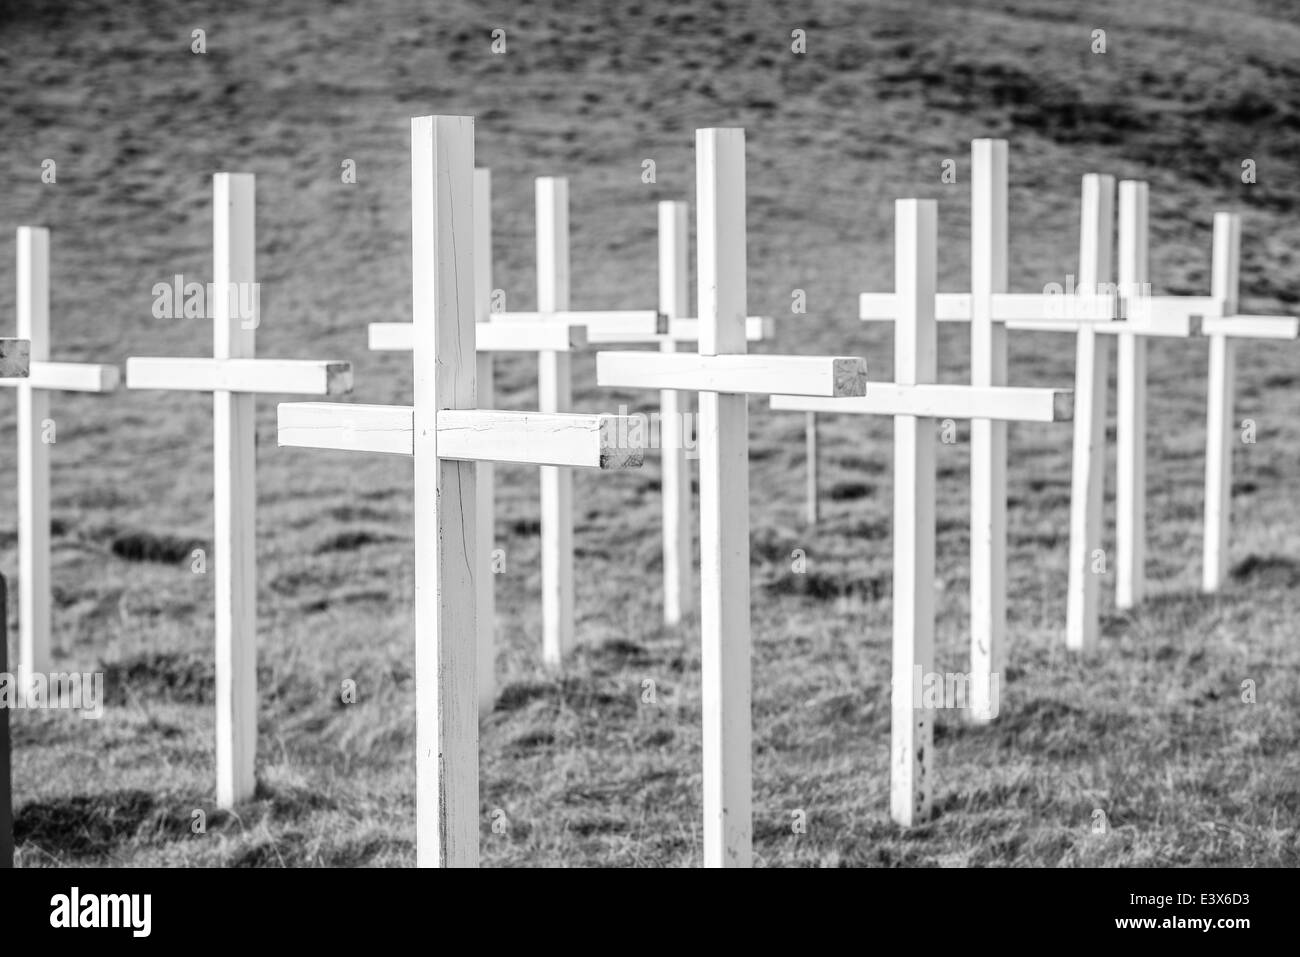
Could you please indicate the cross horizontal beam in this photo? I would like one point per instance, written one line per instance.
(757, 328)
(1252, 327)
(15, 357)
(472, 435)
(734, 374)
(284, 376)
(1007, 306)
(997, 403)
(514, 336)
(1160, 325)
(636, 322)
(69, 377)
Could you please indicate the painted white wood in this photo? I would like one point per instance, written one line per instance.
(39, 376)
(561, 440)
(229, 375)
(555, 394)
(244, 375)
(937, 401)
(33, 302)
(1220, 428)
(485, 472)
(234, 433)
(1166, 326)
(735, 374)
(1005, 307)
(1130, 416)
(1091, 381)
(1169, 315)
(674, 406)
(538, 336)
(1252, 327)
(446, 632)
(446, 538)
(724, 503)
(988, 490)
(15, 358)
(915, 362)
(347, 427)
(633, 323)
(72, 377)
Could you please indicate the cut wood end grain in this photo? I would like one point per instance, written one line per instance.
(15, 358)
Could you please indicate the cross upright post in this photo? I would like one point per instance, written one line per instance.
(447, 433)
(916, 400)
(234, 377)
(1224, 334)
(724, 376)
(35, 632)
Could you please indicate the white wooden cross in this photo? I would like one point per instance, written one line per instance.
(916, 400)
(1221, 430)
(447, 434)
(988, 308)
(670, 328)
(34, 627)
(234, 377)
(1144, 317)
(13, 362)
(724, 377)
(519, 332)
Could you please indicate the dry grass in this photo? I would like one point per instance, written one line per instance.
(1152, 730)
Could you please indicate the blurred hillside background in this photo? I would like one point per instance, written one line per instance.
(1151, 730)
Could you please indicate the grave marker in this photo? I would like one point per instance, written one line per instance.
(35, 634)
(234, 377)
(724, 376)
(1221, 429)
(447, 434)
(988, 308)
(915, 400)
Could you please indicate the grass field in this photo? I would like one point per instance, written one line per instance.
(1151, 730)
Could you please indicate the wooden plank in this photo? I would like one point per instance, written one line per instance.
(998, 403)
(35, 641)
(484, 472)
(1130, 415)
(15, 358)
(561, 440)
(1006, 306)
(1091, 381)
(555, 394)
(1166, 328)
(568, 440)
(240, 375)
(1220, 426)
(71, 377)
(446, 632)
(1252, 327)
(349, 427)
(915, 362)
(736, 374)
(988, 489)
(1170, 315)
(234, 494)
(539, 336)
(6, 760)
(675, 480)
(637, 324)
(724, 504)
